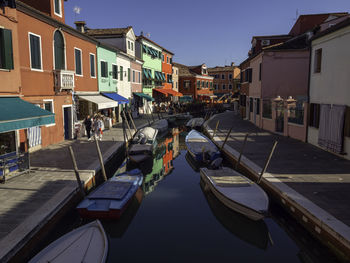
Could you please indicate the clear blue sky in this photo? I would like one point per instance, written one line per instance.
(211, 32)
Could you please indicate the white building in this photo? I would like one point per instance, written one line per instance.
(329, 122)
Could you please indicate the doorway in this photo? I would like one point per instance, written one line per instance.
(67, 122)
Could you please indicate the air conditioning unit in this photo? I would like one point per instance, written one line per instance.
(265, 42)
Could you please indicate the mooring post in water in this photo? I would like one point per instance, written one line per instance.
(216, 128)
(100, 159)
(267, 162)
(158, 115)
(127, 123)
(76, 171)
(241, 152)
(228, 134)
(125, 139)
(132, 120)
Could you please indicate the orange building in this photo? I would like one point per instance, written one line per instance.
(168, 156)
(167, 68)
(56, 61)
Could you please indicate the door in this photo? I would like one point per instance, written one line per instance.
(67, 122)
(279, 117)
(255, 111)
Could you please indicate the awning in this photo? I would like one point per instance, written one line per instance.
(16, 114)
(163, 76)
(208, 95)
(163, 91)
(101, 101)
(174, 93)
(143, 95)
(186, 98)
(115, 96)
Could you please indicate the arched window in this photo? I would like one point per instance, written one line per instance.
(59, 50)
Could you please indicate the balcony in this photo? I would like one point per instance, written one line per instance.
(63, 80)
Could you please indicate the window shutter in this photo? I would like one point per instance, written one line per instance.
(121, 73)
(129, 74)
(8, 51)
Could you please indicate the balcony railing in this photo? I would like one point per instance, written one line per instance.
(64, 80)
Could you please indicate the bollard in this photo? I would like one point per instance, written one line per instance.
(76, 171)
(100, 159)
(228, 134)
(267, 162)
(240, 154)
(216, 128)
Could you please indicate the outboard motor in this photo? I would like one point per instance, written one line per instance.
(216, 164)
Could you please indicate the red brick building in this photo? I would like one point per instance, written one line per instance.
(226, 79)
(194, 81)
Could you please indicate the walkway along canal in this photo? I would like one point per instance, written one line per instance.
(173, 218)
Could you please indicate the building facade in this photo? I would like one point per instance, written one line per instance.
(329, 121)
(226, 79)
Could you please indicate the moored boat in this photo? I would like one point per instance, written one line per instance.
(87, 243)
(110, 199)
(237, 192)
(201, 148)
(195, 123)
(143, 144)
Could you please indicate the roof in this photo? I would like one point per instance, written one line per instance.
(219, 69)
(308, 22)
(271, 37)
(187, 71)
(108, 31)
(297, 43)
(154, 43)
(333, 29)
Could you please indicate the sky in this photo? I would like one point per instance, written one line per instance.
(212, 32)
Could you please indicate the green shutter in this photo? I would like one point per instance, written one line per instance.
(129, 74)
(35, 52)
(7, 50)
(121, 72)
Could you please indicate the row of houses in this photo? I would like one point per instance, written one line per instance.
(52, 75)
(297, 84)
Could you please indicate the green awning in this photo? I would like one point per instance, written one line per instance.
(16, 114)
(156, 73)
(163, 76)
(143, 95)
(145, 73)
(186, 98)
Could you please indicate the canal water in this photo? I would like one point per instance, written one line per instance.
(174, 219)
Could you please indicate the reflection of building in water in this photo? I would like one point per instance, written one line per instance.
(157, 173)
(168, 156)
(176, 142)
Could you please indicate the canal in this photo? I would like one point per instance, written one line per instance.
(173, 219)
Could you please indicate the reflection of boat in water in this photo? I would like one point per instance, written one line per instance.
(192, 162)
(253, 232)
(116, 229)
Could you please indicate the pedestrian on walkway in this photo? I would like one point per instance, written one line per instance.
(98, 128)
(88, 124)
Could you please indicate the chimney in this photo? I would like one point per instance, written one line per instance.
(232, 64)
(80, 26)
(141, 33)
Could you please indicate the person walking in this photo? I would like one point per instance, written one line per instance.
(98, 128)
(88, 124)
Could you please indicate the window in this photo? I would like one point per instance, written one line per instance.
(48, 105)
(78, 62)
(57, 7)
(198, 84)
(163, 58)
(230, 76)
(250, 75)
(260, 71)
(222, 76)
(171, 60)
(211, 85)
(133, 76)
(92, 66)
(251, 104)
(167, 59)
(121, 72)
(6, 51)
(223, 86)
(203, 84)
(215, 86)
(176, 85)
(230, 86)
(132, 46)
(114, 71)
(104, 69)
(129, 74)
(129, 45)
(35, 52)
(242, 76)
(267, 109)
(314, 115)
(318, 60)
(59, 50)
(207, 84)
(187, 84)
(170, 78)
(258, 106)
(139, 77)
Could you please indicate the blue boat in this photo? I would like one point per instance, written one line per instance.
(110, 199)
(200, 147)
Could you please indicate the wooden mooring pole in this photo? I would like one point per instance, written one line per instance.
(100, 158)
(228, 134)
(76, 171)
(267, 162)
(242, 149)
(132, 120)
(127, 124)
(216, 128)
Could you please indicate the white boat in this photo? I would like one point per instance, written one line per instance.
(195, 123)
(87, 243)
(161, 125)
(143, 144)
(201, 148)
(237, 192)
(145, 135)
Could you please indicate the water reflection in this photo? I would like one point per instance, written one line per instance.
(253, 232)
